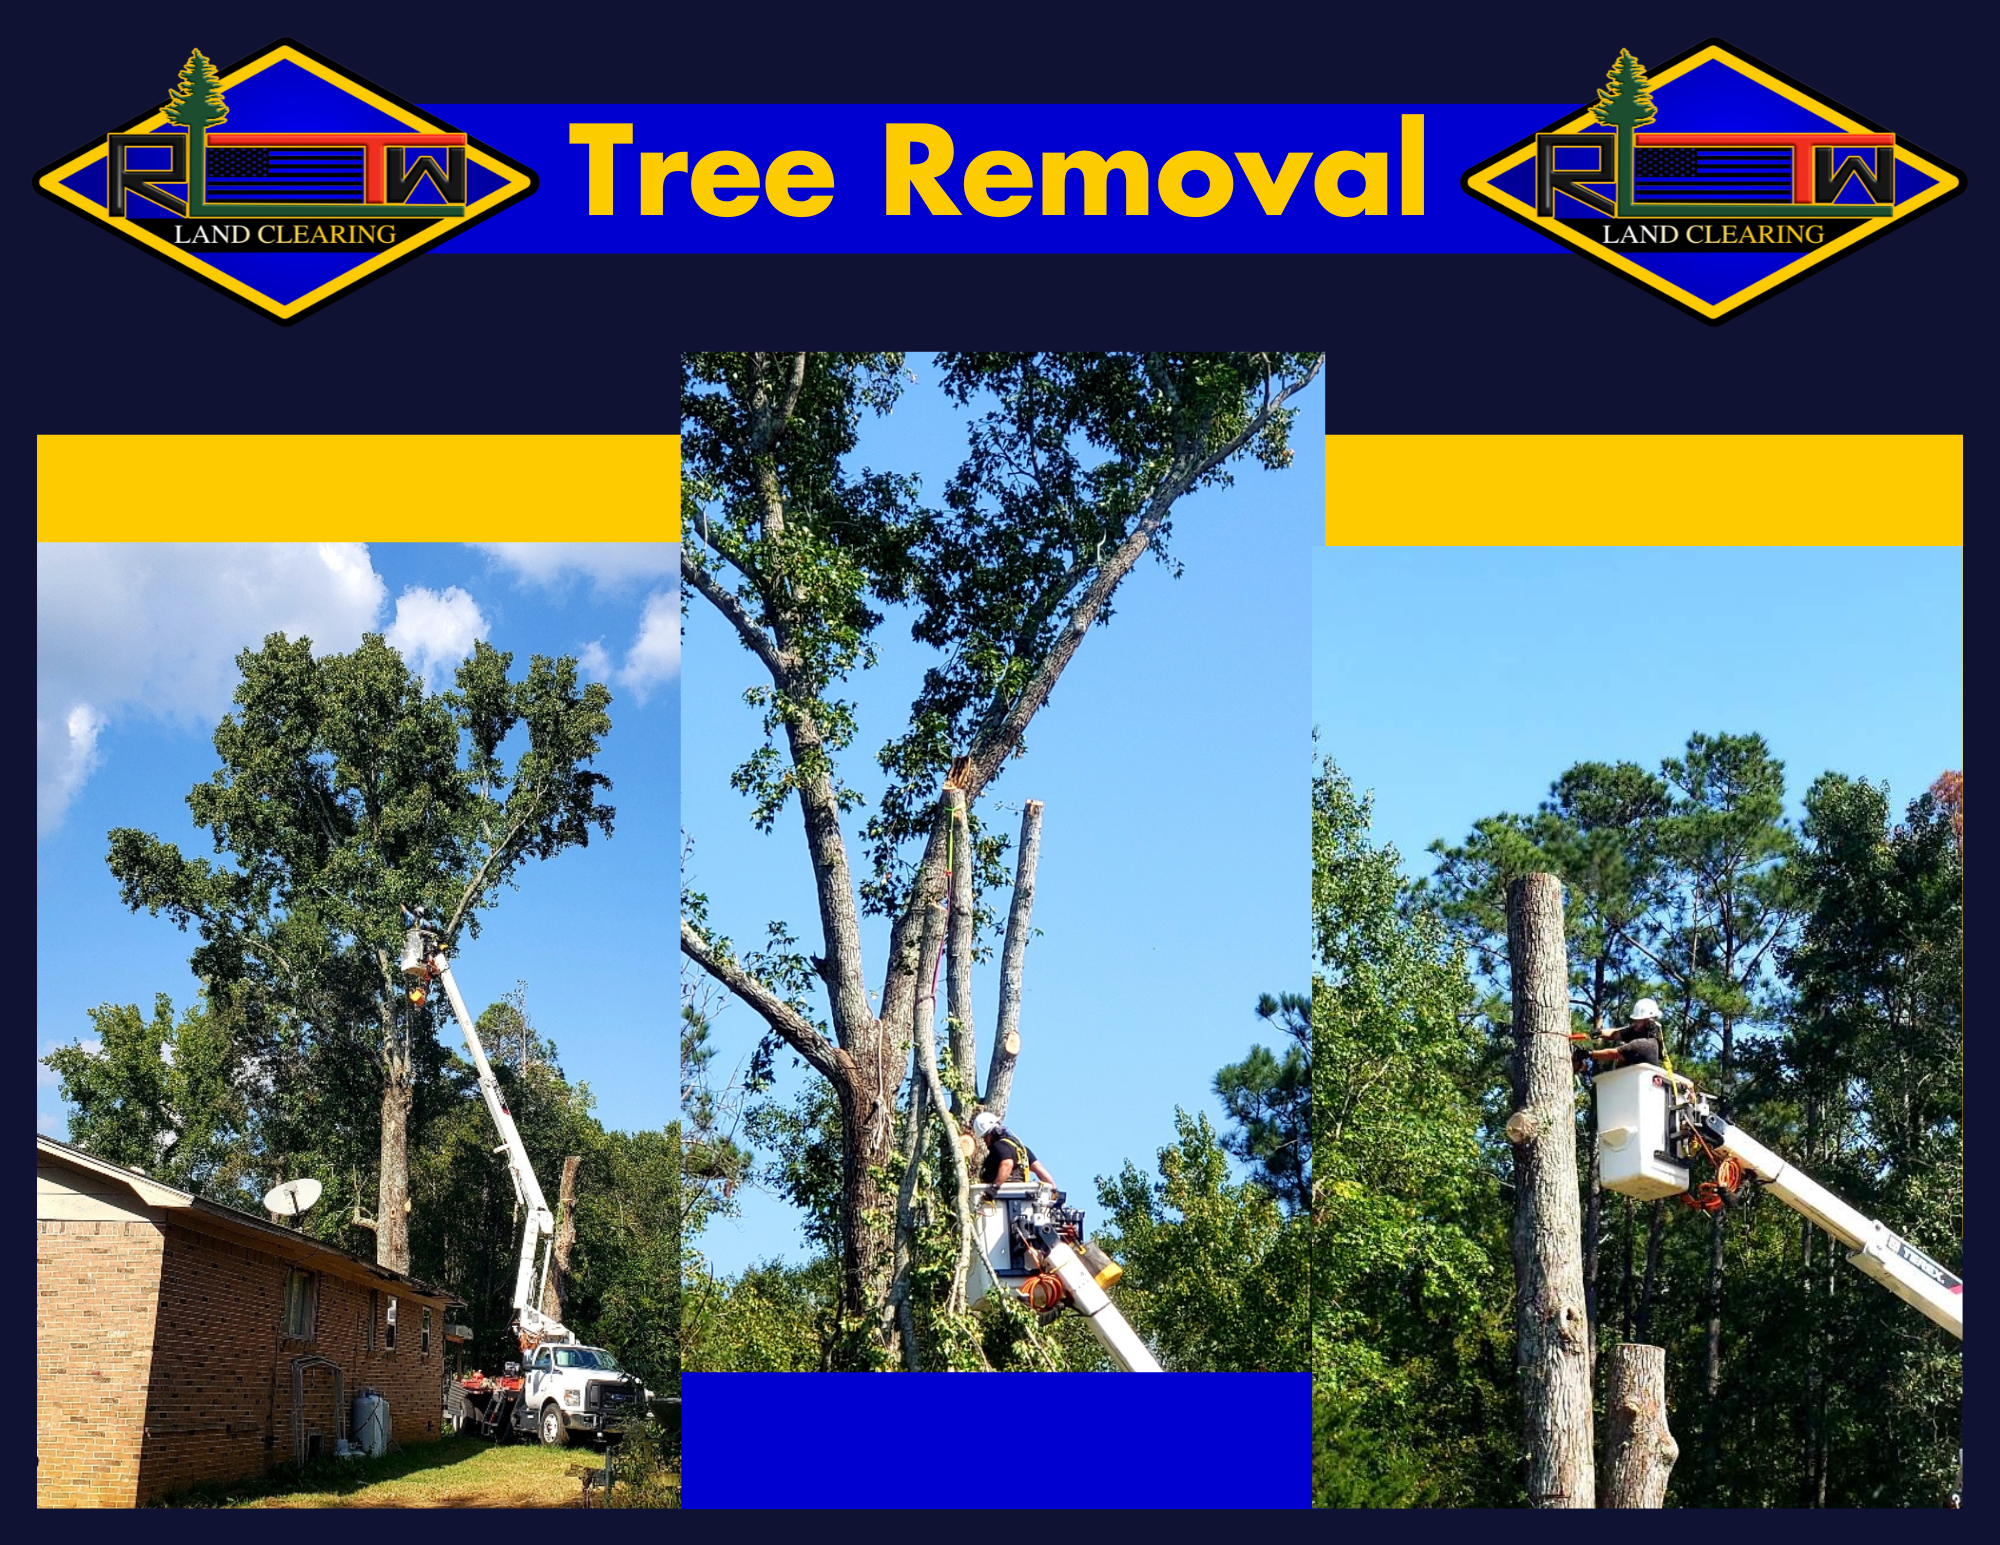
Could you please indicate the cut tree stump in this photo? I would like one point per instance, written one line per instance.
(1639, 1451)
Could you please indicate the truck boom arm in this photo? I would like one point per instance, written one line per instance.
(539, 1228)
(1873, 1247)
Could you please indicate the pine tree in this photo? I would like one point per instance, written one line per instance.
(1625, 104)
(196, 104)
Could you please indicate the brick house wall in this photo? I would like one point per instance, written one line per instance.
(97, 1288)
(221, 1397)
(163, 1358)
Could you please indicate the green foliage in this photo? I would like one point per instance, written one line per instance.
(1410, 1283)
(1269, 1101)
(160, 1096)
(645, 1469)
(345, 792)
(1626, 103)
(772, 1318)
(1817, 974)
(1215, 1273)
(195, 102)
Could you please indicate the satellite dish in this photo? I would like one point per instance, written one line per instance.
(291, 1198)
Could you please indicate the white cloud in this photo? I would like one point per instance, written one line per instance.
(65, 755)
(434, 630)
(655, 656)
(153, 630)
(593, 661)
(607, 565)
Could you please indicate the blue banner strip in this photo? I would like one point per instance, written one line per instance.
(853, 143)
(1026, 1440)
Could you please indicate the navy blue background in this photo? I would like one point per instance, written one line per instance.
(1897, 338)
(586, 343)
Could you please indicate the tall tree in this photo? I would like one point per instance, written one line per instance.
(1552, 1337)
(1727, 836)
(1411, 1350)
(346, 791)
(1074, 472)
(160, 1095)
(1269, 1101)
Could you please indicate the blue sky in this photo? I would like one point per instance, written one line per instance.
(133, 671)
(1172, 760)
(1457, 683)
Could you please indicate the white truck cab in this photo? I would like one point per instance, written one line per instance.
(569, 1388)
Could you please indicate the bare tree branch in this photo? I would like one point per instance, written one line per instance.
(798, 1032)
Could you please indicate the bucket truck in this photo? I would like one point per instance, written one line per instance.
(1653, 1125)
(1029, 1243)
(565, 1388)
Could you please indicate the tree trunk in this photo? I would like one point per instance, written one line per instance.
(1593, 1224)
(1007, 1026)
(557, 1286)
(964, 1038)
(867, 1211)
(392, 1202)
(1639, 1451)
(1655, 1227)
(1553, 1347)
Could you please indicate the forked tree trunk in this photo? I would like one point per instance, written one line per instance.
(1639, 1450)
(1553, 1345)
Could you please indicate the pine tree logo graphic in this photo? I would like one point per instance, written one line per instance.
(196, 104)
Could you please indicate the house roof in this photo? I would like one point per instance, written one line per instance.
(244, 1227)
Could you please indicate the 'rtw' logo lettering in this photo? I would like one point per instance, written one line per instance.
(233, 164)
(1711, 153)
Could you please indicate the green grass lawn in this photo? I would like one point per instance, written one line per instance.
(452, 1472)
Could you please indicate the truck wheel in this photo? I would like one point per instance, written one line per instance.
(555, 1432)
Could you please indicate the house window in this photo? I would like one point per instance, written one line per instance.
(426, 1347)
(374, 1314)
(389, 1341)
(301, 1303)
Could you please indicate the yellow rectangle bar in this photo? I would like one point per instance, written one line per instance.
(358, 488)
(1645, 490)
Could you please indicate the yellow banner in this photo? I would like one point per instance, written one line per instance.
(1644, 490)
(358, 488)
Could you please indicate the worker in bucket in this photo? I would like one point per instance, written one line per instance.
(1633, 1043)
(1006, 1155)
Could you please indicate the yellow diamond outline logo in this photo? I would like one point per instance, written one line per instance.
(1946, 182)
(516, 183)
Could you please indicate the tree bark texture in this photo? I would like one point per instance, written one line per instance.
(964, 1039)
(1553, 1345)
(1639, 1450)
(392, 1206)
(558, 1284)
(1007, 1026)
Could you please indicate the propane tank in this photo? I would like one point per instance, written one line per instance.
(371, 1424)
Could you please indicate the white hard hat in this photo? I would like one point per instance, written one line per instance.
(985, 1122)
(1645, 1008)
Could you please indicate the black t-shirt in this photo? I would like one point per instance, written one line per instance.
(1005, 1145)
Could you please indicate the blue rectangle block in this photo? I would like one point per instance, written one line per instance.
(1183, 1440)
